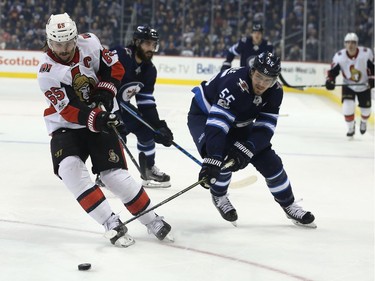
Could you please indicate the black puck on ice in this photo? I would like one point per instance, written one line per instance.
(84, 266)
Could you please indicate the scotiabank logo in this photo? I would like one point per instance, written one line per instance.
(19, 61)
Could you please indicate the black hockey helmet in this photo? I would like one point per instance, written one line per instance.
(267, 64)
(144, 32)
(257, 27)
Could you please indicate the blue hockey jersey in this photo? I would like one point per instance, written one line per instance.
(230, 104)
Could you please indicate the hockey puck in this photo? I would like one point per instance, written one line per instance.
(84, 266)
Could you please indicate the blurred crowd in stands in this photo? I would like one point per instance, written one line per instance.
(184, 26)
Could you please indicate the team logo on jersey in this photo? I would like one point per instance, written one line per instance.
(257, 100)
(113, 157)
(128, 90)
(243, 86)
(355, 74)
(128, 51)
(82, 84)
(45, 67)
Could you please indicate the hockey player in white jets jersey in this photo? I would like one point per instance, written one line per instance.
(356, 64)
(76, 75)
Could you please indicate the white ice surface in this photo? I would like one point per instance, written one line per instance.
(44, 234)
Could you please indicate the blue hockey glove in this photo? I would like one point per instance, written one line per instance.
(164, 135)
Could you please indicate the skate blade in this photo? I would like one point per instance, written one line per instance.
(308, 225)
(169, 238)
(234, 223)
(155, 184)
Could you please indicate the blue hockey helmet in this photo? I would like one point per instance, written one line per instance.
(144, 32)
(267, 64)
(257, 27)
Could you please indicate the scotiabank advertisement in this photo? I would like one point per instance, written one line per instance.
(19, 63)
(178, 70)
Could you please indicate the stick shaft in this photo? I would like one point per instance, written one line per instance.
(165, 201)
(135, 114)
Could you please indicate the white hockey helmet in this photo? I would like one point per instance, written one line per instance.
(61, 28)
(351, 37)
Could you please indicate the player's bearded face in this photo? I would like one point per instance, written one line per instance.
(261, 82)
(64, 50)
(146, 50)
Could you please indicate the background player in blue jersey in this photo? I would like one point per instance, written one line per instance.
(232, 118)
(139, 81)
(248, 48)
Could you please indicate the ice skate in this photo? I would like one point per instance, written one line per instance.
(160, 229)
(298, 216)
(363, 127)
(116, 232)
(351, 130)
(153, 177)
(225, 208)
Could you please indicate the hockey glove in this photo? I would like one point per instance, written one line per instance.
(225, 65)
(330, 84)
(240, 154)
(210, 171)
(164, 135)
(101, 121)
(104, 94)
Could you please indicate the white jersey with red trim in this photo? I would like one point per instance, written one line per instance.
(354, 69)
(81, 75)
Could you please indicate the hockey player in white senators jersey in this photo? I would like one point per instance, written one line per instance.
(356, 64)
(78, 76)
(232, 119)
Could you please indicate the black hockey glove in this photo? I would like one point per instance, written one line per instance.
(164, 135)
(210, 171)
(226, 65)
(104, 93)
(240, 154)
(330, 84)
(101, 121)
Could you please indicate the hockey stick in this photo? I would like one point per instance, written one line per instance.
(300, 87)
(134, 112)
(128, 151)
(227, 165)
(165, 201)
(123, 143)
(137, 115)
